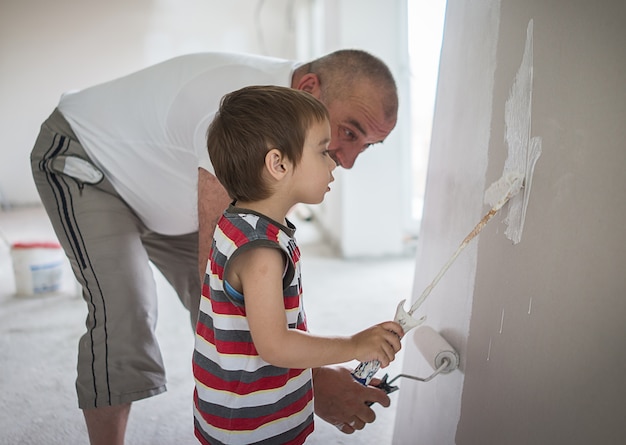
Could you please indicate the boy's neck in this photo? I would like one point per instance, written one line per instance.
(267, 207)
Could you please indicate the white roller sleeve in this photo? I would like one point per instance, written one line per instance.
(435, 348)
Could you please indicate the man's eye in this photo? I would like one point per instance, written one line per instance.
(348, 135)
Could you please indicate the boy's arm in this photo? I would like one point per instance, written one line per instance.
(212, 201)
(258, 273)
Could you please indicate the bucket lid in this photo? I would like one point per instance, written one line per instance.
(36, 245)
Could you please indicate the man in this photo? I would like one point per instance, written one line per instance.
(124, 174)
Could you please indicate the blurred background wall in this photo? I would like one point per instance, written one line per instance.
(47, 48)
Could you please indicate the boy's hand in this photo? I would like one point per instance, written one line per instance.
(380, 342)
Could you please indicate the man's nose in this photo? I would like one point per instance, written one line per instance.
(345, 157)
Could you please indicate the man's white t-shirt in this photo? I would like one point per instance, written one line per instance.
(147, 131)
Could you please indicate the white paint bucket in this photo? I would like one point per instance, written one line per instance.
(38, 267)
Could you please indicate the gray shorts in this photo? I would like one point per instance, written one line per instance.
(109, 247)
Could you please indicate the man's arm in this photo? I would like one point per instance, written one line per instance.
(341, 401)
(212, 201)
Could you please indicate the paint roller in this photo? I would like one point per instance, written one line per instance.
(497, 195)
(439, 354)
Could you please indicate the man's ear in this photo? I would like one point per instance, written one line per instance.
(311, 84)
(276, 163)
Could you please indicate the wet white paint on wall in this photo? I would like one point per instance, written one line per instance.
(523, 149)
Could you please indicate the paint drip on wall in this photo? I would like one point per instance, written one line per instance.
(523, 150)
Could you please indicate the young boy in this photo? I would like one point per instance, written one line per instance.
(253, 355)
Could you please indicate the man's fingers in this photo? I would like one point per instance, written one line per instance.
(351, 427)
(375, 395)
(340, 400)
(345, 428)
(357, 424)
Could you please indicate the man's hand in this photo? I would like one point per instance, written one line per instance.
(341, 401)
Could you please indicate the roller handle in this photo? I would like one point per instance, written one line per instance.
(386, 386)
(365, 371)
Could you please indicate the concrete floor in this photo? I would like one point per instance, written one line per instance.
(39, 335)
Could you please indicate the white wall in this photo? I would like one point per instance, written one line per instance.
(428, 413)
(367, 212)
(51, 47)
(540, 324)
(48, 47)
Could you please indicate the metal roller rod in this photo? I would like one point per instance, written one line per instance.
(445, 363)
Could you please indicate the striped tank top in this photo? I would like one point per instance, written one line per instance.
(239, 398)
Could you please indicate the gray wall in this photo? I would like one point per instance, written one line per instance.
(540, 324)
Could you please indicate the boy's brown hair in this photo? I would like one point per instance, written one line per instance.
(250, 122)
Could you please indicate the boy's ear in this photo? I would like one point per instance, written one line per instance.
(311, 84)
(276, 164)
